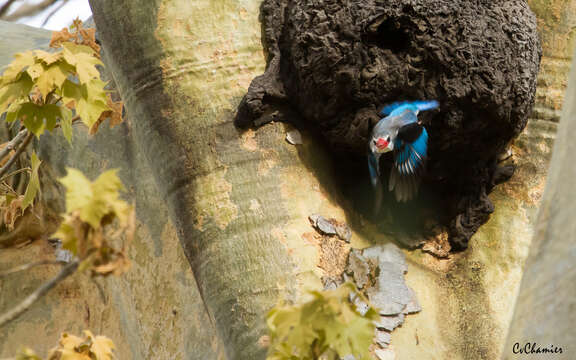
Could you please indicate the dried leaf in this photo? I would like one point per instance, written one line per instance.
(59, 37)
(115, 115)
(12, 211)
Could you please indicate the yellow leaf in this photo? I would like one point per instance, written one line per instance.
(47, 57)
(66, 354)
(94, 200)
(69, 341)
(67, 234)
(15, 91)
(35, 70)
(86, 67)
(90, 111)
(34, 184)
(21, 61)
(27, 354)
(101, 346)
(79, 190)
(52, 78)
(115, 115)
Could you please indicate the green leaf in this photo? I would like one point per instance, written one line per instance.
(34, 183)
(89, 99)
(66, 123)
(71, 92)
(12, 112)
(94, 200)
(37, 118)
(15, 91)
(90, 111)
(21, 61)
(328, 324)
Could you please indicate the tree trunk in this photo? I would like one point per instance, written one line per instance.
(544, 313)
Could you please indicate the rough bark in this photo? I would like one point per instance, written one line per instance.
(336, 63)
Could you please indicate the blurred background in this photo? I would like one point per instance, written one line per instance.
(47, 14)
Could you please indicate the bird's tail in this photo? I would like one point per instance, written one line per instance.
(417, 105)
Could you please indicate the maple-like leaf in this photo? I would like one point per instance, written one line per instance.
(48, 58)
(21, 62)
(10, 92)
(94, 200)
(52, 78)
(102, 347)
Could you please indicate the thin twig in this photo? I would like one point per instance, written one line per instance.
(28, 10)
(13, 143)
(15, 172)
(21, 148)
(29, 266)
(5, 7)
(37, 294)
(54, 12)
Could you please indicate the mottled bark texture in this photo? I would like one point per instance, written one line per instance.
(544, 311)
(176, 65)
(335, 63)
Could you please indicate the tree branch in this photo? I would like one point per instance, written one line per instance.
(12, 144)
(28, 10)
(37, 294)
(21, 148)
(29, 266)
(5, 7)
(54, 12)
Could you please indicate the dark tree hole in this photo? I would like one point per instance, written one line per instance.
(389, 35)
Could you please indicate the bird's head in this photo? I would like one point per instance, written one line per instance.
(381, 143)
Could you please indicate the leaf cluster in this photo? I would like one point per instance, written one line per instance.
(90, 208)
(328, 326)
(71, 347)
(45, 89)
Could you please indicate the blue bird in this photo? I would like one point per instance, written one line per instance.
(399, 131)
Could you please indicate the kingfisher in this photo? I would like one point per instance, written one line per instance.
(400, 131)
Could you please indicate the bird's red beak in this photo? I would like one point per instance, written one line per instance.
(381, 144)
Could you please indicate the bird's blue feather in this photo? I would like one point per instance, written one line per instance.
(398, 108)
(414, 152)
(373, 167)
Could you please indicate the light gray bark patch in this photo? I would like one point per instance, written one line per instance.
(379, 272)
(331, 227)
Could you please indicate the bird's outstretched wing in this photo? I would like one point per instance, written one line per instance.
(401, 106)
(410, 151)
